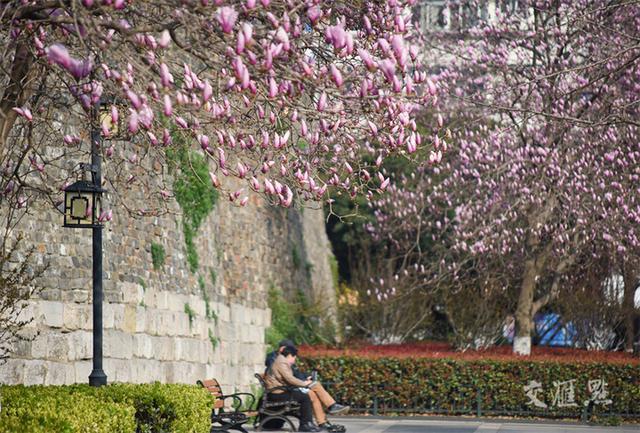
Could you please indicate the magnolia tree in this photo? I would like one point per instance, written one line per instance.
(284, 98)
(544, 173)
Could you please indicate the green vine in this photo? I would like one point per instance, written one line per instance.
(189, 312)
(295, 257)
(157, 256)
(213, 339)
(209, 313)
(193, 191)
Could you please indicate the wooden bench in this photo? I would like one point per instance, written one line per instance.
(270, 411)
(222, 419)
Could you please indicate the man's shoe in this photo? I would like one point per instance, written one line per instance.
(308, 427)
(333, 428)
(336, 409)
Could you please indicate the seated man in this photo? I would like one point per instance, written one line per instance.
(281, 374)
(319, 396)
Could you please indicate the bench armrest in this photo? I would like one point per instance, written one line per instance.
(238, 400)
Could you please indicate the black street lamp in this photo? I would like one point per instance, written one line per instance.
(82, 209)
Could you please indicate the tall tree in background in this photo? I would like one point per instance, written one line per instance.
(544, 104)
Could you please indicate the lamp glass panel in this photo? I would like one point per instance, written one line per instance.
(79, 207)
(98, 206)
(106, 121)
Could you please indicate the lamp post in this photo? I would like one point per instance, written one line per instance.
(82, 209)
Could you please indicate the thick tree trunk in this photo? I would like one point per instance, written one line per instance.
(524, 317)
(525, 309)
(15, 94)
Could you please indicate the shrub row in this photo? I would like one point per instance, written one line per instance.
(498, 387)
(118, 408)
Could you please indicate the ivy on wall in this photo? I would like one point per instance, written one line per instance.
(194, 193)
(158, 255)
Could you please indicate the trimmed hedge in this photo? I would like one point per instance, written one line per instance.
(454, 386)
(117, 408)
(47, 409)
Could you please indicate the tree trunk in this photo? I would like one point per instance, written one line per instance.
(524, 319)
(15, 94)
(628, 306)
(525, 308)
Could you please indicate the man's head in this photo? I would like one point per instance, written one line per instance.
(284, 343)
(290, 353)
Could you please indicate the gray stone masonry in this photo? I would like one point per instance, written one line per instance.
(156, 326)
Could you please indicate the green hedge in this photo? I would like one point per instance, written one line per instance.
(454, 386)
(118, 408)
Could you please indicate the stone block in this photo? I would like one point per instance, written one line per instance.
(132, 293)
(117, 370)
(238, 314)
(57, 346)
(141, 319)
(30, 314)
(200, 328)
(214, 356)
(227, 331)
(162, 300)
(113, 296)
(149, 298)
(210, 371)
(75, 295)
(198, 305)
(108, 315)
(223, 311)
(248, 353)
(169, 371)
(35, 371)
(254, 318)
(12, 372)
(182, 372)
(21, 349)
(80, 345)
(151, 321)
(129, 319)
(187, 349)
(257, 334)
(233, 354)
(146, 370)
(118, 316)
(82, 370)
(118, 344)
(166, 323)
(53, 313)
(39, 345)
(183, 326)
(163, 348)
(267, 318)
(177, 301)
(59, 373)
(77, 316)
(177, 348)
(142, 346)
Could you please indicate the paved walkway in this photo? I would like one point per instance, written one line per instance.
(432, 425)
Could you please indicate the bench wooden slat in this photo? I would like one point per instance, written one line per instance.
(215, 390)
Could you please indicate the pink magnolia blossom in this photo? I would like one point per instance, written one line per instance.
(227, 17)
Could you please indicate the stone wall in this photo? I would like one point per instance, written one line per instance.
(156, 325)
